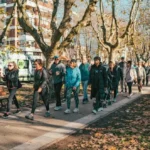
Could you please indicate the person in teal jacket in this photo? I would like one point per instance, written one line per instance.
(72, 83)
(85, 72)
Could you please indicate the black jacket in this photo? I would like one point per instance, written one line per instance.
(113, 78)
(11, 78)
(41, 79)
(123, 67)
(147, 70)
(98, 79)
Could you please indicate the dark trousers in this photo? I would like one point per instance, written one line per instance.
(129, 84)
(140, 84)
(99, 100)
(68, 96)
(147, 80)
(12, 97)
(57, 88)
(44, 95)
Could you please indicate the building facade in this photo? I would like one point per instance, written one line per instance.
(24, 48)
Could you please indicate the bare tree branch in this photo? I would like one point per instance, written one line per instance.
(8, 22)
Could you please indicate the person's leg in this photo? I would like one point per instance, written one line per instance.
(76, 97)
(85, 86)
(121, 83)
(68, 97)
(16, 102)
(45, 99)
(12, 93)
(139, 83)
(35, 99)
(130, 87)
(147, 79)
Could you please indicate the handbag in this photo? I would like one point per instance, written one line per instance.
(19, 84)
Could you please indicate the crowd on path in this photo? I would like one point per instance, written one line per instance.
(103, 79)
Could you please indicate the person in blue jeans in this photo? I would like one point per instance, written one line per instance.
(84, 69)
(72, 83)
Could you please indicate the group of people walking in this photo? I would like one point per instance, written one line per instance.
(104, 81)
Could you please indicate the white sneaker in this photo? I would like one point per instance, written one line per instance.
(57, 108)
(130, 95)
(67, 111)
(76, 110)
(94, 111)
(100, 109)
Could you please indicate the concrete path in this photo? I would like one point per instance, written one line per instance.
(17, 133)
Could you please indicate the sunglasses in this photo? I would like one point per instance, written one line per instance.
(10, 65)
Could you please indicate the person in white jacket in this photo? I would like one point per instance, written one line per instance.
(131, 76)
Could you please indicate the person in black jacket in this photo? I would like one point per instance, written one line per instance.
(11, 78)
(114, 77)
(123, 67)
(98, 80)
(41, 88)
(147, 70)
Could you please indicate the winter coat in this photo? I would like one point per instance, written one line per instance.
(85, 71)
(123, 67)
(73, 77)
(141, 74)
(147, 70)
(113, 77)
(61, 68)
(98, 79)
(41, 79)
(11, 78)
(130, 75)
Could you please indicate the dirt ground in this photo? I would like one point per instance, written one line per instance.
(126, 129)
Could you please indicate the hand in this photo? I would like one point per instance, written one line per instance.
(40, 90)
(74, 88)
(57, 73)
(2, 75)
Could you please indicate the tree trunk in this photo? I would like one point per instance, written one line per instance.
(111, 54)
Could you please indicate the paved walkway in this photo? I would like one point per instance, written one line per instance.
(17, 133)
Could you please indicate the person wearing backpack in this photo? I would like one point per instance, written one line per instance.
(41, 88)
(12, 80)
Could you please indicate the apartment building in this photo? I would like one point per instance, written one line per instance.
(23, 42)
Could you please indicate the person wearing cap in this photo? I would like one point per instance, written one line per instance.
(98, 80)
(123, 67)
(58, 71)
(85, 71)
(72, 83)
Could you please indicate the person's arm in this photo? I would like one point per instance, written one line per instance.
(144, 73)
(44, 79)
(63, 70)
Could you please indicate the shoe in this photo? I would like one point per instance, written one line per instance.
(94, 111)
(85, 101)
(76, 110)
(47, 114)
(130, 95)
(5, 116)
(30, 117)
(57, 108)
(67, 111)
(100, 109)
(17, 111)
(114, 100)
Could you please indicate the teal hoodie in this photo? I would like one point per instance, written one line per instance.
(73, 77)
(85, 71)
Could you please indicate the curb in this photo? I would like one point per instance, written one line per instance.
(46, 140)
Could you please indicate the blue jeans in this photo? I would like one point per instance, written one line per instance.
(85, 86)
